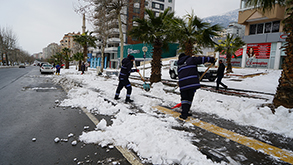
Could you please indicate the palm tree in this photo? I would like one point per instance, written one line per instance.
(66, 55)
(284, 93)
(192, 31)
(85, 40)
(229, 46)
(58, 57)
(154, 30)
(78, 57)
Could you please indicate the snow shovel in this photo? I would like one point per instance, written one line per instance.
(146, 86)
(179, 104)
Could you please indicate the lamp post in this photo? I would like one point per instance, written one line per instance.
(144, 49)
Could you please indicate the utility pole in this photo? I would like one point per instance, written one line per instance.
(83, 23)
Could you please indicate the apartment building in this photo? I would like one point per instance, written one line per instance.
(136, 9)
(263, 37)
(50, 50)
(68, 42)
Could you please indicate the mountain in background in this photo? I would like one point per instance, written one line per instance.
(223, 19)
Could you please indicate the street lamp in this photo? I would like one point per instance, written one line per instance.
(144, 49)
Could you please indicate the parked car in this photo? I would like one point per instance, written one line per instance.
(47, 68)
(21, 65)
(211, 74)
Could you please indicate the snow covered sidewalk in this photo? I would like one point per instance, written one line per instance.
(150, 134)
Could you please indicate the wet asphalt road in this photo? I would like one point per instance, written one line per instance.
(28, 110)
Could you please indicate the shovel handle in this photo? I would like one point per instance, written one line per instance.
(140, 74)
(207, 70)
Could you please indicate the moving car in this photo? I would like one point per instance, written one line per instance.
(211, 74)
(47, 68)
(21, 65)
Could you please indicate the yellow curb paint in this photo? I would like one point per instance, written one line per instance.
(284, 155)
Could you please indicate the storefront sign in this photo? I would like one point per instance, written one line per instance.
(131, 51)
(259, 50)
(238, 53)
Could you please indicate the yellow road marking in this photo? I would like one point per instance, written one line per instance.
(284, 155)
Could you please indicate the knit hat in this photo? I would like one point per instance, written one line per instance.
(182, 55)
(131, 57)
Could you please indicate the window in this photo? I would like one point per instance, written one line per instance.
(157, 6)
(170, 1)
(136, 10)
(252, 29)
(136, 5)
(276, 26)
(260, 28)
(267, 27)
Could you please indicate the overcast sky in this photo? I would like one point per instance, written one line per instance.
(37, 23)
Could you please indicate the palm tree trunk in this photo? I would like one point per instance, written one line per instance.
(284, 94)
(66, 64)
(79, 65)
(84, 53)
(229, 65)
(188, 48)
(156, 62)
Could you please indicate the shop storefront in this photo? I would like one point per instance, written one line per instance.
(258, 55)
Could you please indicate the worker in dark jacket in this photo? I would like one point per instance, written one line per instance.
(58, 69)
(127, 64)
(220, 75)
(189, 79)
(82, 68)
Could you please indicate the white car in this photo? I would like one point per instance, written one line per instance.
(47, 68)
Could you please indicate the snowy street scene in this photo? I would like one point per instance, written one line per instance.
(146, 82)
(157, 137)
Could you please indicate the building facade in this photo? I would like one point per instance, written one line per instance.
(68, 42)
(263, 38)
(135, 10)
(50, 50)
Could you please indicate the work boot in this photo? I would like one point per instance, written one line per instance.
(128, 100)
(183, 117)
(116, 97)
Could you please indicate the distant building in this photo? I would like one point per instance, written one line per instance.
(50, 50)
(234, 29)
(38, 55)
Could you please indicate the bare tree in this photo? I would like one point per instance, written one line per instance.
(8, 42)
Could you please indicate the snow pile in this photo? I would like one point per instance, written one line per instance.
(147, 135)
(150, 134)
